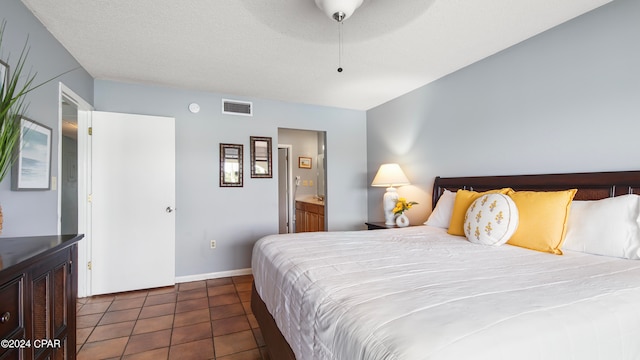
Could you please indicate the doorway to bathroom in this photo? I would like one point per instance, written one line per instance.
(301, 178)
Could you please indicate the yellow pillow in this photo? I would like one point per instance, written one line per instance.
(543, 219)
(464, 199)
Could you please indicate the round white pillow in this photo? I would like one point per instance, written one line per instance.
(491, 220)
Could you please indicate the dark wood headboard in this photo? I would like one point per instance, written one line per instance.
(591, 186)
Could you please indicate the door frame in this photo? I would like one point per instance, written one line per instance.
(84, 181)
(290, 189)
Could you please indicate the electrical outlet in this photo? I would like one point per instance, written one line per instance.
(213, 244)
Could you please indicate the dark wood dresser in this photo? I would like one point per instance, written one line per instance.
(38, 290)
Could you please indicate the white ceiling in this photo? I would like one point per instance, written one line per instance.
(288, 49)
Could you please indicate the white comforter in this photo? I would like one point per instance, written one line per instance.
(418, 293)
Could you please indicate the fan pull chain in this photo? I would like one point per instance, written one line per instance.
(340, 47)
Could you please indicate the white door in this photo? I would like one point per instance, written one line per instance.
(132, 202)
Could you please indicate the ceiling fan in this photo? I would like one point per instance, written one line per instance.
(338, 10)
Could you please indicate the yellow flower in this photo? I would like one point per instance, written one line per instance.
(402, 205)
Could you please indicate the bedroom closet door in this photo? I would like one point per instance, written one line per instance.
(132, 202)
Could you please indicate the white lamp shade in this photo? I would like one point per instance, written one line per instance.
(390, 175)
(331, 7)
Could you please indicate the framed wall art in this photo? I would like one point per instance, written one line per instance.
(32, 168)
(260, 157)
(231, 165)
(304, 162)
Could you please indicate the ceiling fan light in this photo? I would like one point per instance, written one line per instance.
(338, 10)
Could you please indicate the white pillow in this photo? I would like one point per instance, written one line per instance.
(491, 220)
(609, 227)
(441, 215)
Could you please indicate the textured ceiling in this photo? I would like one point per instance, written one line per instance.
(288, 49)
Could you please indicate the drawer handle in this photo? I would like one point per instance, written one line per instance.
(5, 317)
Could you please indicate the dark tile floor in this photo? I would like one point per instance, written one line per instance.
(209, 319)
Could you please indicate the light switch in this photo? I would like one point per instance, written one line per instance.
(54, 183)
(305, 182)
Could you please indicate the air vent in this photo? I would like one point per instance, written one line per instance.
(235, 107)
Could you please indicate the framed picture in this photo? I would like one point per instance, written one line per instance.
(4, 77)
(32, 168)
(260, 157)
(231, 165)
(304, 162)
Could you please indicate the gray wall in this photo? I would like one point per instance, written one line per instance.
(36, 212)
(237, 217)
(566, 100)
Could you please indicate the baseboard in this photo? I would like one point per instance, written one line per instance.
(215, 275)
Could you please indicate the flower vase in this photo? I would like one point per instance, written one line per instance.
(402, 220)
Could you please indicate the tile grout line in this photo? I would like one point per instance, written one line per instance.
(246, 315)
(173, 321)
(134, 326)
(213, 340)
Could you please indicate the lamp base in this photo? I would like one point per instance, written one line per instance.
(389, 202)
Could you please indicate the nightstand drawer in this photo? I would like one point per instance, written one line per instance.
(11, 316)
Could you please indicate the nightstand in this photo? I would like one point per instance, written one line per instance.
(377, 225)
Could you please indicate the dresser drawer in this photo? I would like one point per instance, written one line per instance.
(11, 316)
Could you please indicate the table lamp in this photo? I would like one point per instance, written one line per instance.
(390, 175)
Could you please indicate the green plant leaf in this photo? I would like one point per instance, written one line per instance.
(13, 106)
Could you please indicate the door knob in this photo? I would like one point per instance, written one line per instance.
(5, 317)
(169, 209)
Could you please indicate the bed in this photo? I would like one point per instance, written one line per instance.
(421, 293)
